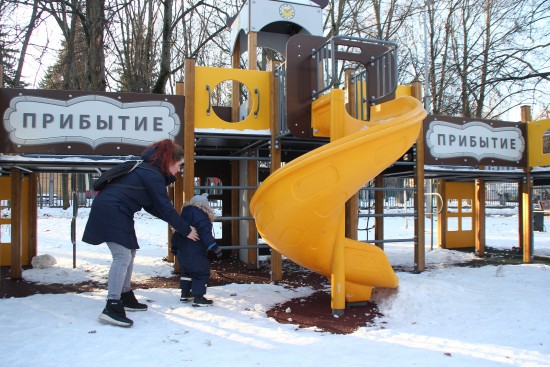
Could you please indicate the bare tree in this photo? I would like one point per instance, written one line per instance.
(90, 17)
(132, 38)
(150, 40)
(95, 17)
(15, 41)
(35, 15)
(336, 15)
(494, 55)
(165, 54)
(69, 72)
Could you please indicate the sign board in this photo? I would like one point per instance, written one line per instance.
(80, 123)
(474, 142)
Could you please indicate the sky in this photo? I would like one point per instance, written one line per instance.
(445, 316)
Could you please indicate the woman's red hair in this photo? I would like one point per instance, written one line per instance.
(166, 153)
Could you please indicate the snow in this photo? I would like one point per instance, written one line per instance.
(446, 316)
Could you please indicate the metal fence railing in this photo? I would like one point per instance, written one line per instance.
(54, 188)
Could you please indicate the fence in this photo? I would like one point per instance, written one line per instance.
(54, 190)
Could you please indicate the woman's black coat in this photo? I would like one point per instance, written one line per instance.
(112, 215)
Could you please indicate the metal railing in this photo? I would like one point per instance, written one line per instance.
(280, 74)
(384, 65)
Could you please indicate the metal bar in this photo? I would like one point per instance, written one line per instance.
(382, 77)
(334, 62)
(388, 215)
(237, 247)
(221, 219)
(23, 169)
(227, 187)
(230, 158)
(281, 78)
(388, 188)
(391, 240)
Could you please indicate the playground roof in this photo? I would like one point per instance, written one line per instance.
(58, 163)
(219, 146)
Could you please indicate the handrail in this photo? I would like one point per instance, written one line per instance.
(209, 100)
(256, 91)
(441, 200)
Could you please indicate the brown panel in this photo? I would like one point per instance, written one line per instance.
(32, 208)
(419, 207)
(301, 80)
(479, 218)
(468, 160)
(16, 223)
(78, 148)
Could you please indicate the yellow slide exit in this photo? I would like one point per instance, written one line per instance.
(299, 209)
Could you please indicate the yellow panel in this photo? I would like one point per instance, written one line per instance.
(258, 84)
(329, 119)
(403, 90)
(535, 139)
(5, 247)
(461, 237)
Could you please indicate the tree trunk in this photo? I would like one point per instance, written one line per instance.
(485, 62)
(165, 54)
(70, 77)
(95, 11)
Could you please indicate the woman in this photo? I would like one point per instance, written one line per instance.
(112, 221)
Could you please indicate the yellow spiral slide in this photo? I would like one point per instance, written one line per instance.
(299, 209)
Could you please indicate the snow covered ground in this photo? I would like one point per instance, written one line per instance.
(445, 316)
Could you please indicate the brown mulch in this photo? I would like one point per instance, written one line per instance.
(314, 311)
(310, 312)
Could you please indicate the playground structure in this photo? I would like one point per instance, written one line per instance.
(332, 140)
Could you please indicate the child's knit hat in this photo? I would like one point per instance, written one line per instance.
(201, 199)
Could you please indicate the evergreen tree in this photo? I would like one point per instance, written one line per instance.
(55, 75)
(9, 63)
(8, 54)
(63, 75)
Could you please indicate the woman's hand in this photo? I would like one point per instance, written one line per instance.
(193, 235)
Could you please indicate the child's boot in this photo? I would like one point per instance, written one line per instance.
(186, 296)
(200, 301)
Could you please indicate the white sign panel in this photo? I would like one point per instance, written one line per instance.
(90, 119)
(474, 139)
